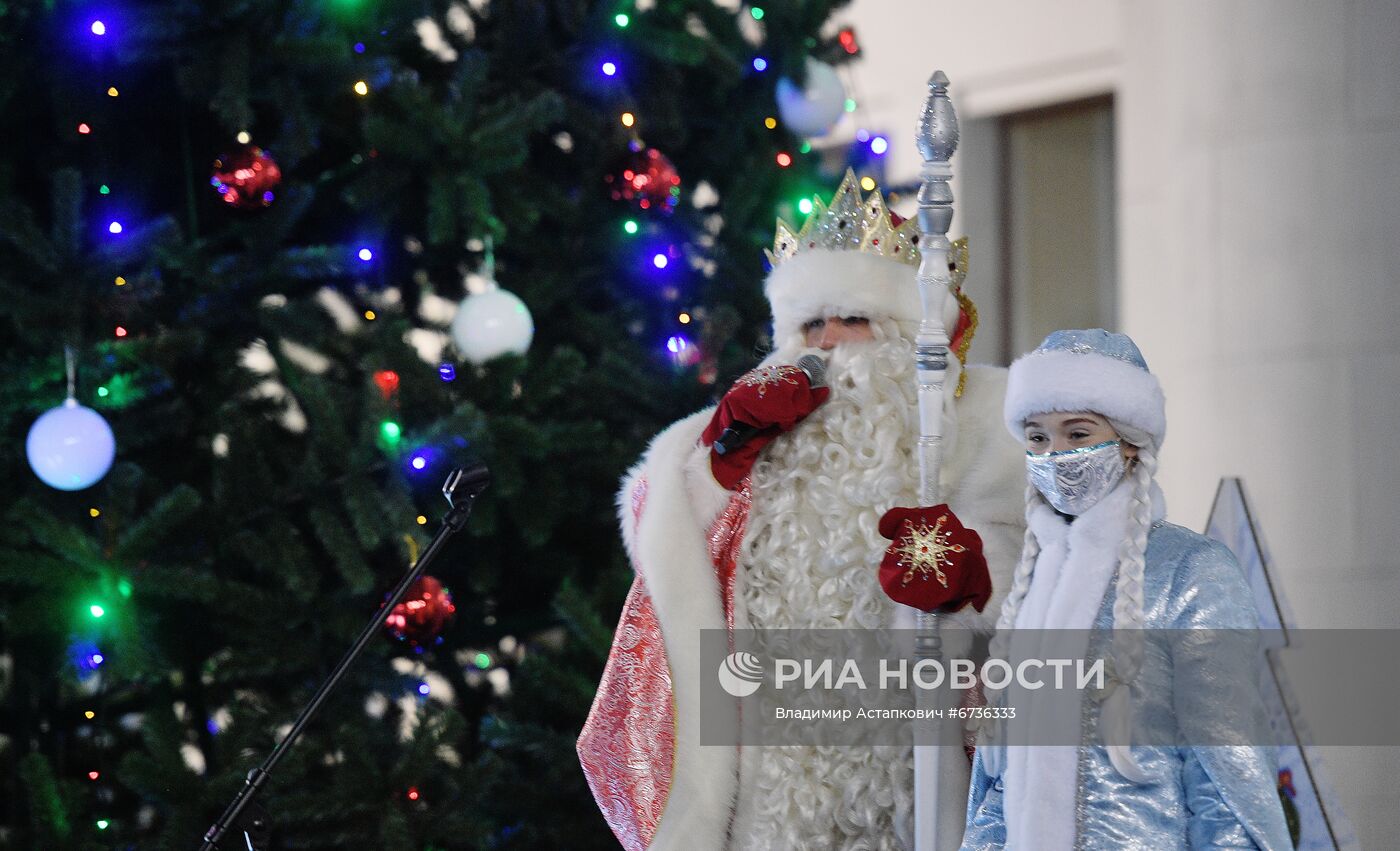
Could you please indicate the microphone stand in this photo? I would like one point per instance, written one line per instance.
(244, 815)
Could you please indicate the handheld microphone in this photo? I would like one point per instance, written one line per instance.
(740, 433)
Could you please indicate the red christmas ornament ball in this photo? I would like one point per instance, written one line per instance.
(647, 178)
(246, 177)
(423, 612)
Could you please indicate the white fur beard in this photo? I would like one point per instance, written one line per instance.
(810, 560)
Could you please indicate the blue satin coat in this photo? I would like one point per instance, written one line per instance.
(1220, 796)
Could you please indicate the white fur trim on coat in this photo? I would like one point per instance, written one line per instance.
(1045, 381)
(671, 553)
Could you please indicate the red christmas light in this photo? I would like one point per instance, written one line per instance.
(848, 41)
(387, 381)
(93, 775)
(784, 159)
(84, 129)
(413, 793)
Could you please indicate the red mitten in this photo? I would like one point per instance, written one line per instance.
(771, 399)
(935, 562)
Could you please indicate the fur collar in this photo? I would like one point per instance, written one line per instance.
(1103, 523)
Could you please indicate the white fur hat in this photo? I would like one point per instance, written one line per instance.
(1092, 370)
(819, 283)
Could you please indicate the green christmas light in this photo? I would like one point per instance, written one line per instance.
(850, 104)
(104, 190)
(124, 588)
(102, 824)
(121, 390)
(806, 148)
(97, 611)
(622, 21)
(630, 226)
(757, 12)
(483, 660)
(391, 431)
(804, 206)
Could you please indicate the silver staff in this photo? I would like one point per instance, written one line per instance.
(937, 139)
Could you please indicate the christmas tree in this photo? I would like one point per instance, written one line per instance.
(237, 234)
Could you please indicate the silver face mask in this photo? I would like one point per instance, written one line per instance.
(1074, 480)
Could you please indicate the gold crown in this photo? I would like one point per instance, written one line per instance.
(849, 223)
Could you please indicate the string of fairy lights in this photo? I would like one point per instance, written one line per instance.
(679, 345)
(252, 179)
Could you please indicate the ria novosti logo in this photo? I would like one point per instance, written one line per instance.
(740, 674)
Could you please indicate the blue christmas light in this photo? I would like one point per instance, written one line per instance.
(423, 688)
(677, 344)
(423, 458)
(212, 727)
(366, 255)
(447, 372)
(84, 656)
(659, 260)
(359, 47)
(609, 69)
(760, 64)
(114, 227)
(98, 28)
(879, 145)
(862, 135)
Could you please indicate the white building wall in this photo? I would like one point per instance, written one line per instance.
(1258, 256)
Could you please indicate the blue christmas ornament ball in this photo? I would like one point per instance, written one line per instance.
(70, 447)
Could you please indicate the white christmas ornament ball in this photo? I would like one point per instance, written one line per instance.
(490, 324)
(70, 447)
(816, 107)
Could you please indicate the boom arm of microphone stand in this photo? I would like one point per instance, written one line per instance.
(461, 489)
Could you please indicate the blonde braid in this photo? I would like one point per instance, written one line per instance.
(1127, 651)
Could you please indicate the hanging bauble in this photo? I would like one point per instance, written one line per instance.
(422, 613)
(490, 324)
(647, 178)
(70, 447)
(813, 109)
(246, 177)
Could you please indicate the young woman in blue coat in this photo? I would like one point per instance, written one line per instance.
(1101, 562)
